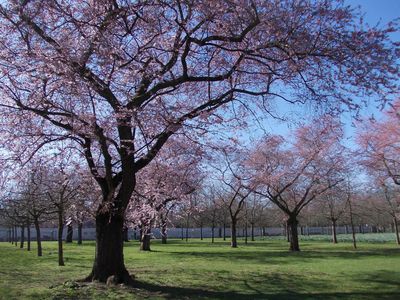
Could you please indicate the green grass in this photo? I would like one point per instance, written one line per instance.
(200, 270)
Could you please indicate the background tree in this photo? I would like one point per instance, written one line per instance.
(293, 175)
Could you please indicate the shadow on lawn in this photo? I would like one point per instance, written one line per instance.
(284, 257)
(258, 292)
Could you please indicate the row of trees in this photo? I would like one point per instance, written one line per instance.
(115, 81)
(305, 177)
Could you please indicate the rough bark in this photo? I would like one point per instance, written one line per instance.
(38, 238)
(109, 256)
(292, 224)
(80, 225)
(70, 233)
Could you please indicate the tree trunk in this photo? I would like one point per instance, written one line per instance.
(292, 224)
(252, 232)
(245, 234)
(287, 230)
(60, 239)
(16, 235)
(70, 233)
(353, 231)
(80, 225)
(21, 244)
(201, 232)
(145, 243)
(164, 233)
(38, 238)
(9, 235)
(219, 232)
(28, 231)
(109, 255)
(125, 234)
(396, 228)
(12, 235)
(233, 234)
(334, 237)
(212, 233)
(187, 233)
(224, 232)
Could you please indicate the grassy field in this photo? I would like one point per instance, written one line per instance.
(200, 270)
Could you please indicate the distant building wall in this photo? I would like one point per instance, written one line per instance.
(50, 234)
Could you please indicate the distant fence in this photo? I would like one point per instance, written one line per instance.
(50, 234)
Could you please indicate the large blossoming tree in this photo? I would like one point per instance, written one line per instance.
(118, 78)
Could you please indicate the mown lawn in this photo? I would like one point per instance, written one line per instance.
(200, 270)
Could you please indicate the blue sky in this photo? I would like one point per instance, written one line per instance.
(374, 11)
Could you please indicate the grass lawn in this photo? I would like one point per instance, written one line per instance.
(200, 270)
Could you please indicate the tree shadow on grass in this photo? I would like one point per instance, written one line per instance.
(282, 257)
(274, 288)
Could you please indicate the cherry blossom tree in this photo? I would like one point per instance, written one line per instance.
(380, 146)
(119, 78)
(292, 175)
(167, 181)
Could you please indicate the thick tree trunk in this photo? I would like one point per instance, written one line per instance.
(125, 234)
(224, 232)
(145, 243)
(9, 236)
(164, 233)
(396, 228)
(212, 233)
(80, 225)
(182, 237)
(21, 244)
(60, 239)
(233, 234)
(187, 233)
(219, 232)
(292, 224)
(38, 238)
(334, 236)
(252, 232)
(70, 233)
(109, 256)
(28, 231)
(201, 232)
